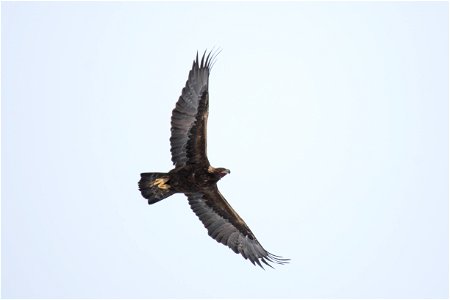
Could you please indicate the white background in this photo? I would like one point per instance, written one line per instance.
(333, 118)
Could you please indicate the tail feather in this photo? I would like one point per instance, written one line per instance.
(155, 186)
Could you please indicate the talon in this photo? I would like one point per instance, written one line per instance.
(161, 183)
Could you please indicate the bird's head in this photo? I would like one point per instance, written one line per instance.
(218, 172)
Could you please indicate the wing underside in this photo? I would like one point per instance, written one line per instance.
(226, 227)
(190, 115)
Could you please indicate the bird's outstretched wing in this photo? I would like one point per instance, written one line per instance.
(190, 116)
(227, 227)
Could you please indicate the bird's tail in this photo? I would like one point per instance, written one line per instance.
(155, 186)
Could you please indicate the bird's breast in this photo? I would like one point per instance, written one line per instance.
(190, 179)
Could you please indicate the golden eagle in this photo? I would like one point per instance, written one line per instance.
(195, 177)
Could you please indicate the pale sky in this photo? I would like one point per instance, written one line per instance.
(332, 117)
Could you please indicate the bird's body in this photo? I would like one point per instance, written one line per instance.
(192, 178)
(195, 177)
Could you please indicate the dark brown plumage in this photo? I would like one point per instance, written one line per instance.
(195, 177)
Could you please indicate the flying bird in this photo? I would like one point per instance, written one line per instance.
(195, 177)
